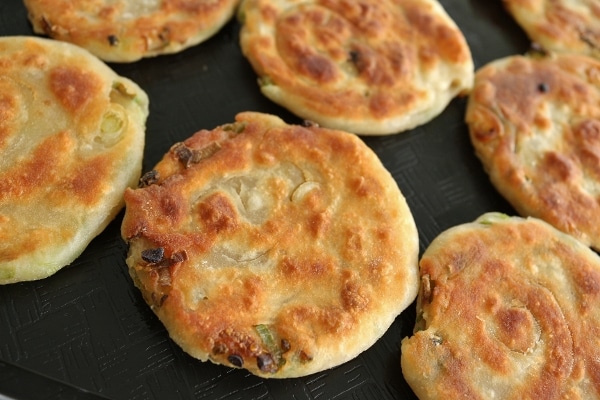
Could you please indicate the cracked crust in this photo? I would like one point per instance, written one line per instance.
(534, 122)
(566, 26)
(372, 67)
(513, 313)
(282, 249)
(128, 30)
(72, 139)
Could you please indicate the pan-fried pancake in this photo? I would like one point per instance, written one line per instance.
(128, 30)
(71, 141)
(509, 308)
(534, 122)
(372, 67)
(571, 26)
(281, 249)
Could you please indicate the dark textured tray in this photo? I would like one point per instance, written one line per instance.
(86, 332)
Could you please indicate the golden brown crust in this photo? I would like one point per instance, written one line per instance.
(571, 26)
(127, 30)
(369, 66)
(535, 125)
(282, 249)
(512, 313)
(72, 139)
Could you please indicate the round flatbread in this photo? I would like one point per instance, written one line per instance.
(281, 249)
(372, 67)
(128, 30)
(509, 308)
(535, 124)
(71, 140)
(571, 26)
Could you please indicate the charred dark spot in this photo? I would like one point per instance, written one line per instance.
(183, 153)
(188, 156)
(149, 178)
(153, 256)
(285, 345)
(266, 363)
(436, 340)
(543, 87)
(236, 359)
(354, 56)
(113, 40)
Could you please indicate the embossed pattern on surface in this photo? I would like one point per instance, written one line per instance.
(88, 326)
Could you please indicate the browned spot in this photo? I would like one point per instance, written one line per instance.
(516, 329)
(306, 269)
(484, 124)
(558, 166)
(87, 180)
(587, 137)
(252, 293)
(353, 297)
(38, 170)
(8, 113)
(317, 67)
(588, 131)
(170, 207)
(217, 214)
(317, 224)
(73, 87)
(371, 66)
(440, 40)
(354, 243)
(233, 341)
(587, 280)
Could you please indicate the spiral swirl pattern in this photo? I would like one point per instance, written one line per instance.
(368, 66)
(508, 309)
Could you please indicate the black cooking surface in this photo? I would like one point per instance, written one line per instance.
(86, 332)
